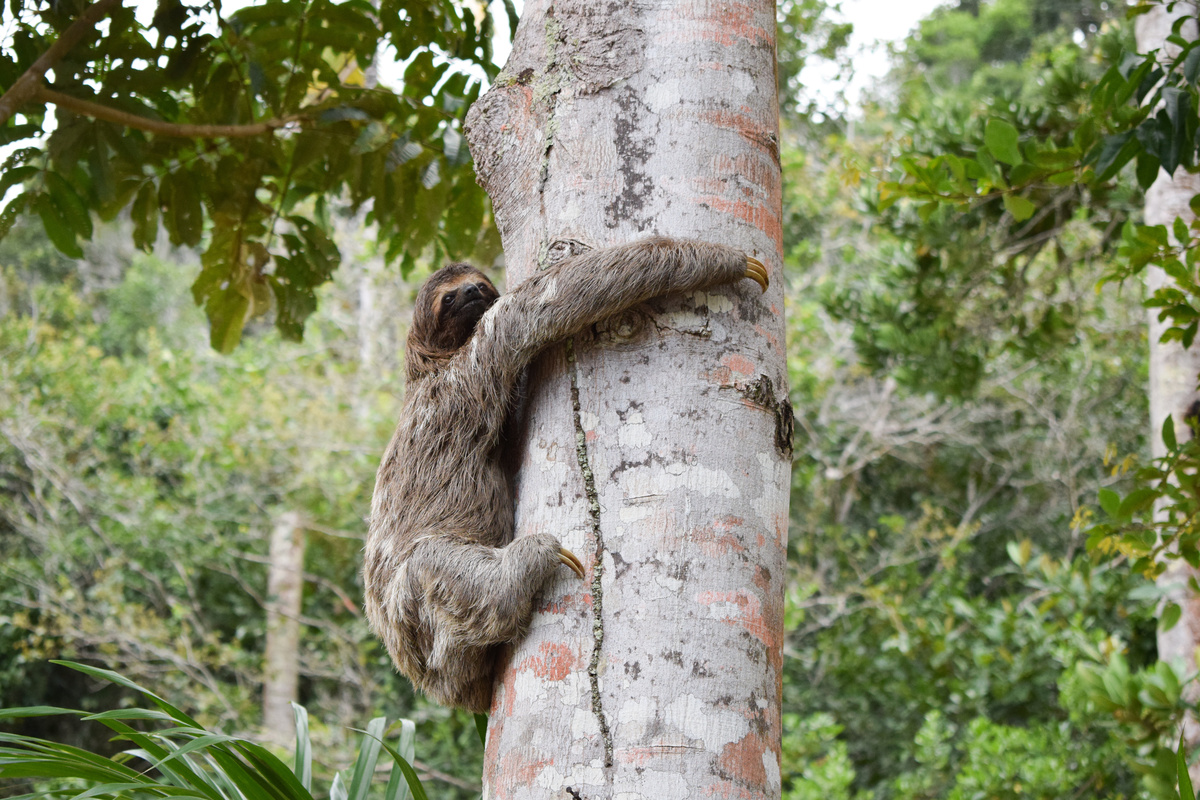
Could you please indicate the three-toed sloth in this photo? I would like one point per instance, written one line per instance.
(446, 584)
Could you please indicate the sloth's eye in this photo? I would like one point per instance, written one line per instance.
(448, 299)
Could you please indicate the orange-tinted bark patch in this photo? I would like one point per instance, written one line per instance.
(514, 773)
(748, 169)
(737, 22)
(772, 339)
(757, 215)
(772, 616)
(759, 130)
(553, 662)
(719, 540)
(739, 363)
(718, 376)
(746, 611)
(564, 604)
(743, 760)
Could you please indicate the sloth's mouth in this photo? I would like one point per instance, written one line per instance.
(480, 303)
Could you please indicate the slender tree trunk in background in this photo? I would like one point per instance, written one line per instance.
(658, 445)
(285, 586)
(1174, 371)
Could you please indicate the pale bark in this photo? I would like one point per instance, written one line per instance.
(1174, 372)
(659, 452)
(285, 586)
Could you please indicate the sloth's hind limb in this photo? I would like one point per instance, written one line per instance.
(478, 596)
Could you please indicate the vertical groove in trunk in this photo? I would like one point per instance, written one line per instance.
(610, 122)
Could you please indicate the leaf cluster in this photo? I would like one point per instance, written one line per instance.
(1157, 521)
(260, 205)
(987, 208)
(173, 755)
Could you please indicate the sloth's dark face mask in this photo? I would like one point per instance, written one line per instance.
(460, 302)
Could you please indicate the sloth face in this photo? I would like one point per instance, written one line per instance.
(457, 305)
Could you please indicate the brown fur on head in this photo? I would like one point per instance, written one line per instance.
(448, 307)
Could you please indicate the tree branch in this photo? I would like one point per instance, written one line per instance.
(25, 87)
(87, 108)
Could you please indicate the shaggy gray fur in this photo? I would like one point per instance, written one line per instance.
(446, 585)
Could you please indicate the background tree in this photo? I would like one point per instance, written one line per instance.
(666, 437)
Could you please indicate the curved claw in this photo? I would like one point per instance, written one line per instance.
(757, 272)
(568, 558)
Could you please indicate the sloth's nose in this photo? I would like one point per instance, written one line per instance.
(470, 292)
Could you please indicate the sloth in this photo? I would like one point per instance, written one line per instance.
(446, 585)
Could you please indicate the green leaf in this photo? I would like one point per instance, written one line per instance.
(14, 209)
(34, 711)
(57, 228)
(1170, 615)
(481, 724)
(144, 213)
(1177, 104)
(1181, 769)
(451, 143)
(227, 310)
(121, 680)
(1139, 499)
(183, 214)
(431, 176)
(397, 788)
(1168, 432)
(368, 754)
(1147, 169)
(1001, 140)
(1191, 66)
(1020, 207)
(373, 136)
(1114, 153)
(410, 774)
(16, 175)
(303, 764)
(1110, 501)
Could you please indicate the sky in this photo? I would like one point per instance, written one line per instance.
(877, 23)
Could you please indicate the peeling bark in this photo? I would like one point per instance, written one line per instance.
(659, 443)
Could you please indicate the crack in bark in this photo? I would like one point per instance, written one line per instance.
(548, 90)
(589, 485)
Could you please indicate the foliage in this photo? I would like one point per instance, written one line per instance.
(969, 288)
(183, 759)
(964, 659)
(1155, 522)
(140, 474)
(994, 208)
(816, 765)
(303, 64)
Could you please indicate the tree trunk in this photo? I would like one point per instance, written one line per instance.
(285, 586)
(658, 446)
(1174, 372)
